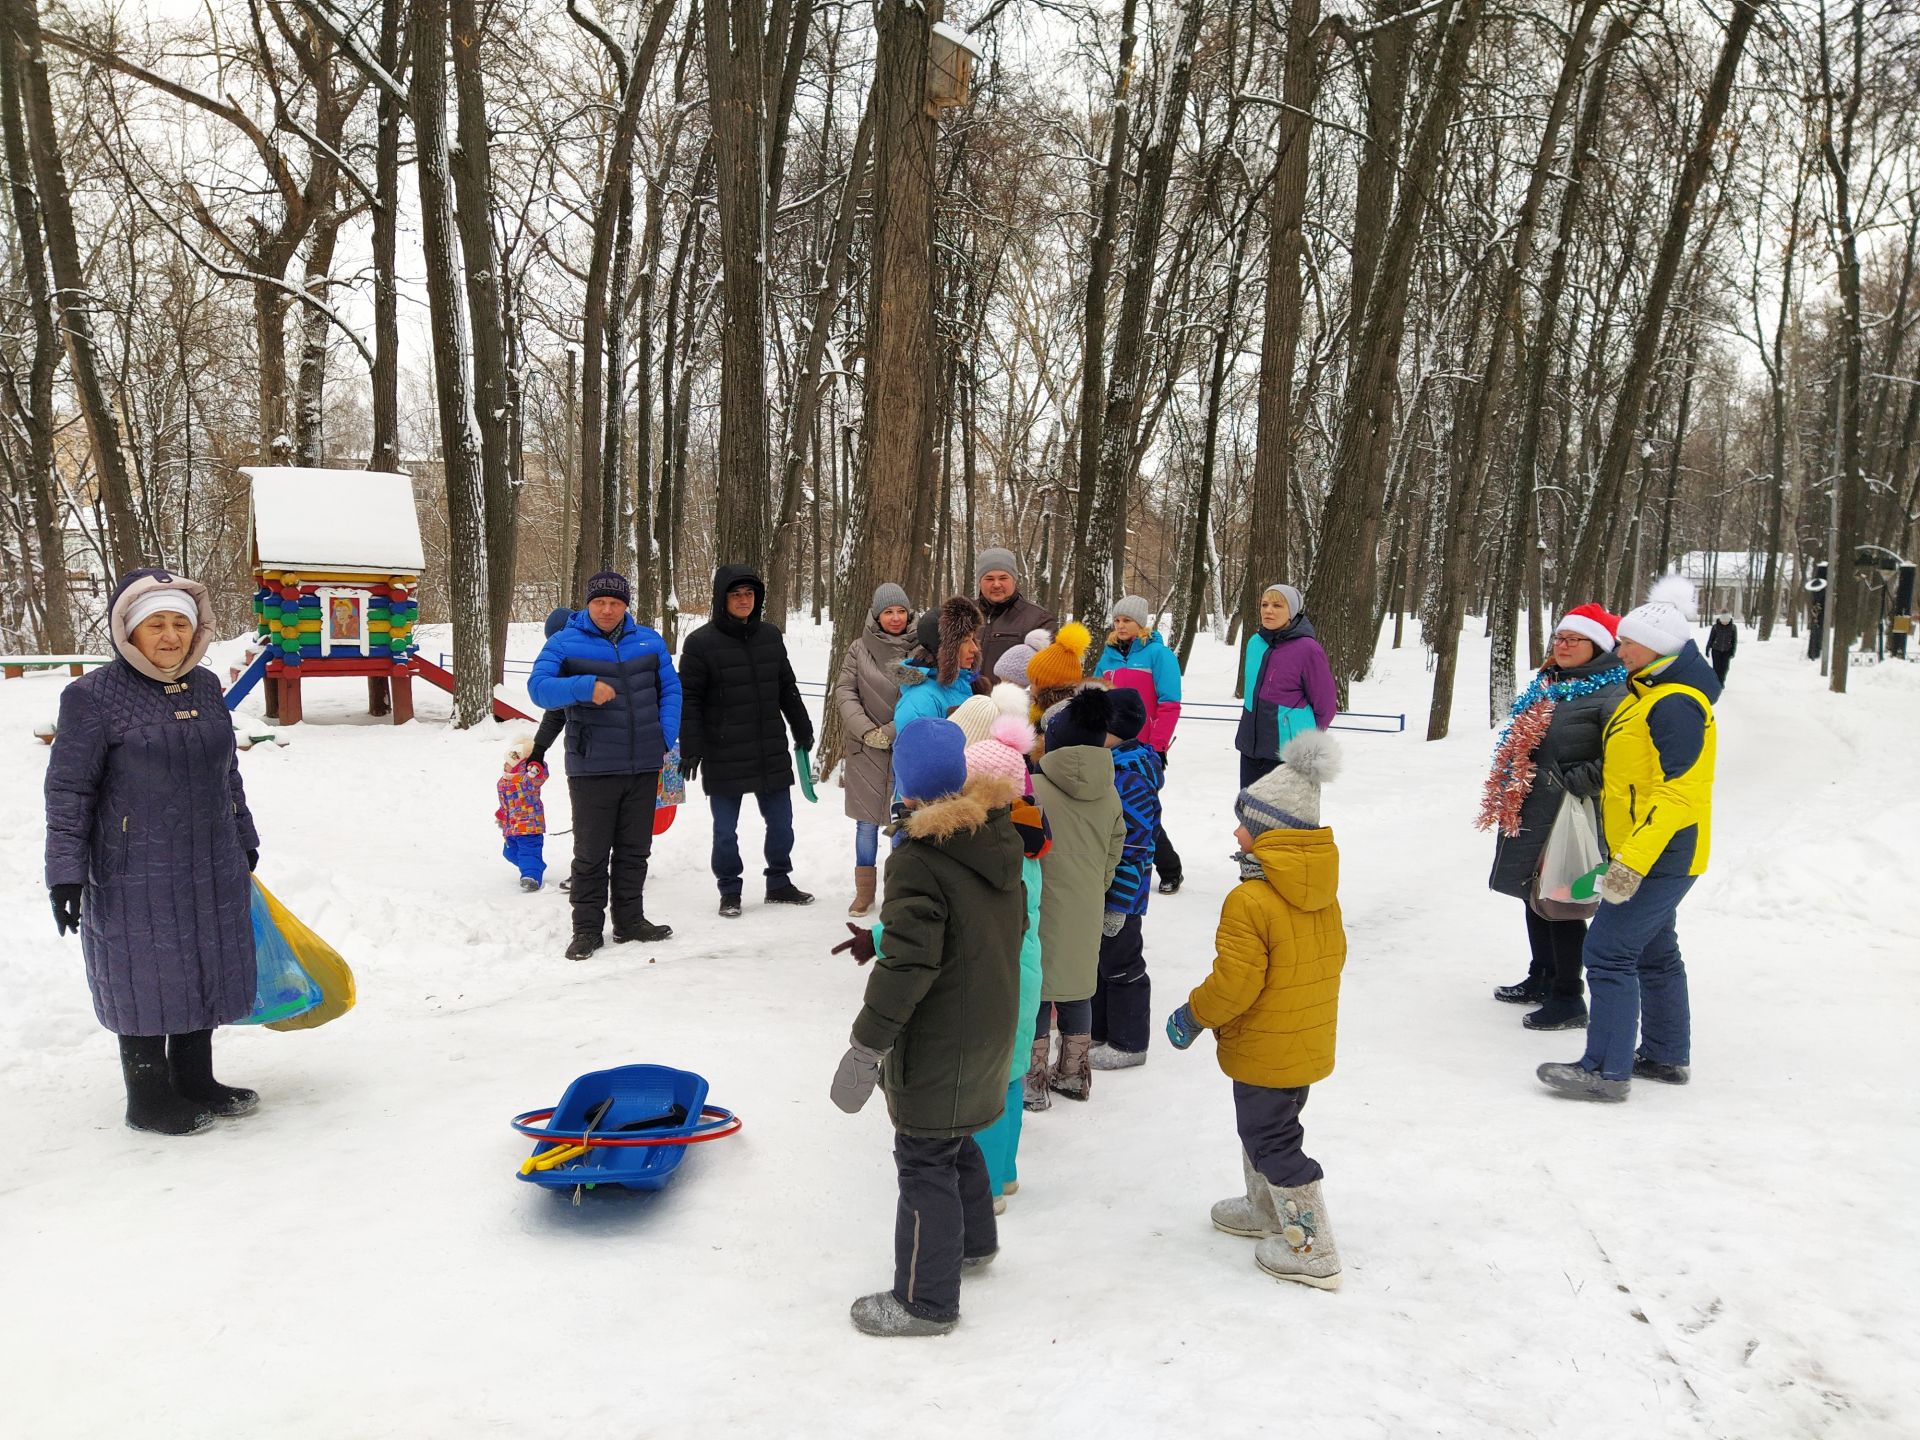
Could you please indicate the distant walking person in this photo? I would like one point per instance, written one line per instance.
(1721, 642)
(741, 699)
(617, 684)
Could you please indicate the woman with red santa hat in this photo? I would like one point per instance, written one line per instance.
(1549, 749)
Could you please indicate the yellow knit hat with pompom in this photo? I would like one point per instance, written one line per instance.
(1064, 661)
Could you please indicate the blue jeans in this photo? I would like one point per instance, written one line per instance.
(527, 854)
(866, 843)
(1637, 981)
(776, 808)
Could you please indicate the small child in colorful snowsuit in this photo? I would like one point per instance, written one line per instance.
(522, 815)
(1123, 996)
(1272, 1001)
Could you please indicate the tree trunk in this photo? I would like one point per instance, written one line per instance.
(1483, 403)
(493, 406)
(806, 386)
(385, 454)
(310, 385)
(1777, 405)
(900, 349)
(459, 446)
(736, 73)
(1093, 345)
(590, 548)
(1341, 595)
(56, 617)
(1100, 577)
(1587, 572)
(1268, 522)
(76, 300)
(1844, 593)
(1664, 547)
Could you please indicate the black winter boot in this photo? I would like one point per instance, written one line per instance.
(1648, 1069)
(1534, 990)
(152, 1104)
(1559, 1012)
(645, 931)
(788, 894)
(190, 1060)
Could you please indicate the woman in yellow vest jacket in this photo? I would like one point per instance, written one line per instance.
(1657, 816)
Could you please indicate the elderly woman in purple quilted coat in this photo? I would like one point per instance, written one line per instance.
(149, 848)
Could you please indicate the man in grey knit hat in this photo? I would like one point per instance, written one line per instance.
(1009, 614)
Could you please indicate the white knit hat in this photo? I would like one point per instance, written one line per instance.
(975, 716)
(162, 602)
(1665, 623)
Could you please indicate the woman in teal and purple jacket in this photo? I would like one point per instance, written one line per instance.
(1288, 686)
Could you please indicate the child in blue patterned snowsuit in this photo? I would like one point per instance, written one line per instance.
(522, 814)
(1123, 999)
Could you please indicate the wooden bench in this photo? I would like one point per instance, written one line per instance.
(15, 666)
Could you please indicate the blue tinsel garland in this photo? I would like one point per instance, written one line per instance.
(1543, 689)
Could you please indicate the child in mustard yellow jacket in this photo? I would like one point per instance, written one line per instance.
(1272, 1001)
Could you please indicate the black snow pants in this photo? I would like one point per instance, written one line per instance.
(1123, 995)
(945, 1214)
(612, 820)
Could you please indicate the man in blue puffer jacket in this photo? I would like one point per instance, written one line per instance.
(616, 681)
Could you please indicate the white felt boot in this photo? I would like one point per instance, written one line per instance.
(1302, 1250)
(1251, 1215)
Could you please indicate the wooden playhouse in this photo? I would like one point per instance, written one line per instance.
(337, 561)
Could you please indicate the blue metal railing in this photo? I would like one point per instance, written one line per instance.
(1372, 722)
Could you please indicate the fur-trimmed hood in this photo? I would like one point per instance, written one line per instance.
(961, 813)
(963, 827)
(132, 586)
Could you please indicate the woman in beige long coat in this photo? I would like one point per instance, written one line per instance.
(868, 687)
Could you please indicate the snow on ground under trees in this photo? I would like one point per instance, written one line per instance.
(1733, 1259)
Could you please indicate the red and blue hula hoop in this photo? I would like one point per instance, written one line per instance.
(715, 1123)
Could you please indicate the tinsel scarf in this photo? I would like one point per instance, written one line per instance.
(1510, 780)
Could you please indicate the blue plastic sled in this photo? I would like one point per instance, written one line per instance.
(638, 1140)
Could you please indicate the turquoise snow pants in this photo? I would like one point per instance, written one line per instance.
(1000, 1141)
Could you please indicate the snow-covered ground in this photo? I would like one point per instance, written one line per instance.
(1734, 1259)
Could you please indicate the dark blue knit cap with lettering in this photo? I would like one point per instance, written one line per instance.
(609, 585)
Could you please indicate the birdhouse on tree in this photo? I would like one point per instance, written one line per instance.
(950, 57)
(337, 561)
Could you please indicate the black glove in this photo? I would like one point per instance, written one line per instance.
(860, 946)
(537, 757)
(66, 906)
(689, 766)
(253, 861)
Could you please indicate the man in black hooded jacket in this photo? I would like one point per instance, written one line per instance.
(739, 699)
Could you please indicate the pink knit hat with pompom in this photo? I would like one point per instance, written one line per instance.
(1004, 752)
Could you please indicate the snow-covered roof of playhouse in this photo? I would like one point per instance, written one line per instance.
(334, 520)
